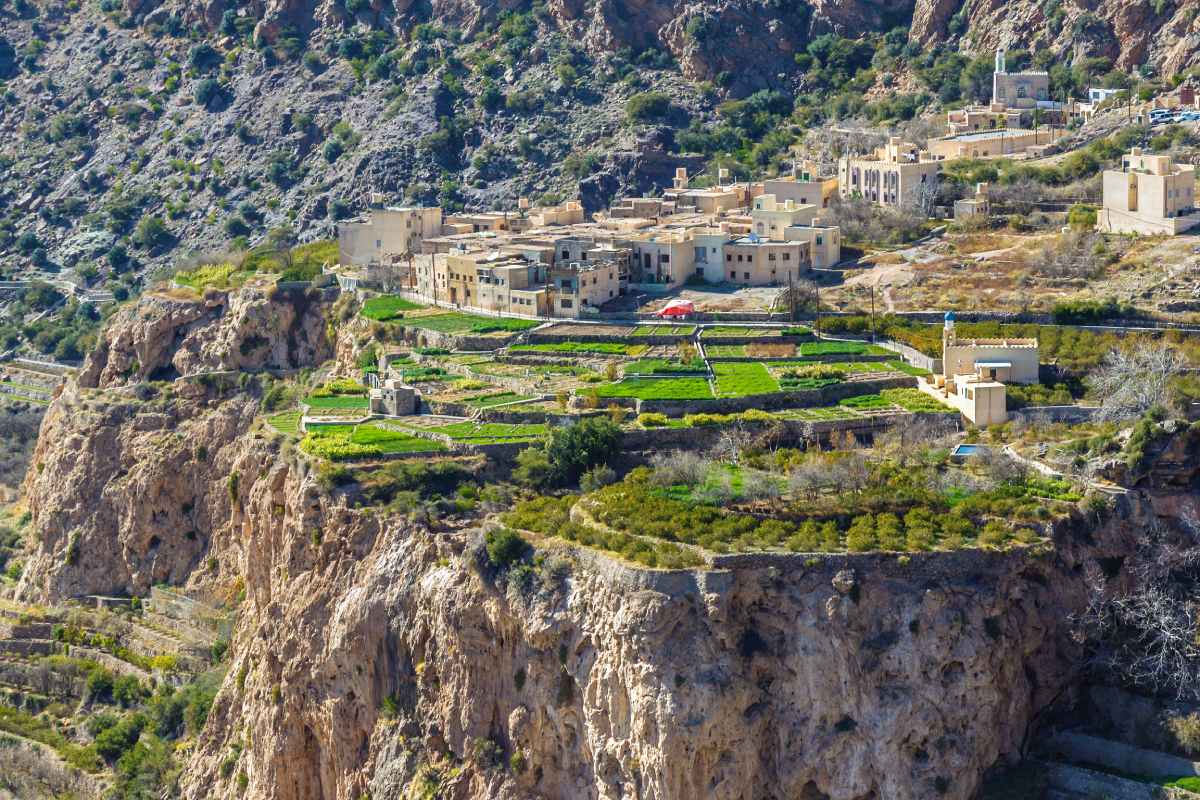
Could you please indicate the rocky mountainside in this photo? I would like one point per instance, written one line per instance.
(378, 655)
(135, 134)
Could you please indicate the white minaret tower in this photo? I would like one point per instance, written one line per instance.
(948, 336)
(1000, 60)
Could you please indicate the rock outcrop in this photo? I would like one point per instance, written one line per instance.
(134, 477)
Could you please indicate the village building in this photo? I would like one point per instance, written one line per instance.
(895, 175)
(386, 232)
(756, 261)
(1019, 89)
(989, 143)
(975, 372)
(1149, 195)
(805, 186)
(975, 207)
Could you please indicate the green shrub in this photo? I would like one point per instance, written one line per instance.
(505, 547)
(647, 107)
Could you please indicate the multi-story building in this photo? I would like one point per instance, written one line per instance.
(386, 232)
(1019, 89)
(770, 216)
(1149, 195)
(989, 143)
(824, 242)
(754, 261)
(895, 176)
(805, 186)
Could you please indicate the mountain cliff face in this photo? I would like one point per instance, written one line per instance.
(378, 656)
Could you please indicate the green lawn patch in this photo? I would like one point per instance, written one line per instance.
(823, 414)
(457, 322)
(285, 422)
(387, 307)
(865, 402)
(740, 380)
(804, 383)
(657, 389)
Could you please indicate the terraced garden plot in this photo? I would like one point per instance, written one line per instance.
(388, 307)
(369, 440)
(664, 330)
(585, 331)
(688, 388)
(457, 322)
(771, 349)
(740, 380)
(336, 402)
(491, 432)
(823, 414)
(662, 366)
(285, 422)
(826, 348)
(494, 399)
(914, 400)
(804, 384)
(725, 350)
(717, 331)
(599, 348)
(906, 368)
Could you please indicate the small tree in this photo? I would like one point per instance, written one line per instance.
(1131, 381)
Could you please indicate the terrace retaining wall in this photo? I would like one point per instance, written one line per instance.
(817, 359)
(826, 395)
(1068, 414)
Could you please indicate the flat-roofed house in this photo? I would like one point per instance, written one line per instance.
(895, 176)
(1150, 195)
(386, 232)
(753, 260)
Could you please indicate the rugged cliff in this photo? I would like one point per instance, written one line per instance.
(134, 474)
(374, 655)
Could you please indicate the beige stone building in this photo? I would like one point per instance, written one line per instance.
(896, 175)
(1149, 195)
(975, 372)
(824, 242)
(976, 207)
(386, 232)
(990, 143)
(805, 186)
(754, 261)
(1018, 89)
(981, 118)
(770, 216)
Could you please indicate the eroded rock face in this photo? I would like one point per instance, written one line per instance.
(133, 482)
(907, 682)
(164, 336)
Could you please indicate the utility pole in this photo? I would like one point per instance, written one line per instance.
(872, 313)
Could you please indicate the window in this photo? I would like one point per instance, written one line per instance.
(663, 258)
(788, 256)
(746, 275)
(770, 256)
(566, 253)
(728, 257)
(732, 276)
(819, 240)
(378, 244)
(739, 257)
(567, 303)
(750, 258)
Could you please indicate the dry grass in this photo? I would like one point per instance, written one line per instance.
(781, 350)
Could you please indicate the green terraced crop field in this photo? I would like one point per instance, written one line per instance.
(388, 307)
(494, 399)
(602, 348)
(338, 402)
(664, 330)
(286, 422)
(657, 389)
(740, 380)
(491, 432)
(456, 322)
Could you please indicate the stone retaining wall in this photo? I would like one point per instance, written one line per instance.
(1068, 414)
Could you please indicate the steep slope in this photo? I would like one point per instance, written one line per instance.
(374, 654)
